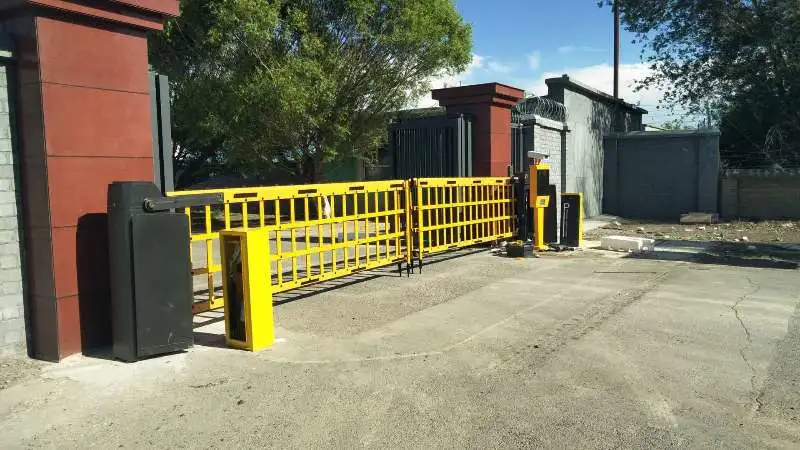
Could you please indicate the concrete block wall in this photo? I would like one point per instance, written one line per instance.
(661, 175)
(755, 194)
(547, 139)
(12, 316)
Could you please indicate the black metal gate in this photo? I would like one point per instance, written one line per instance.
(439, 146)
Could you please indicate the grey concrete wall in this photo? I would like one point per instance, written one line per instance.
(757, 194)
(12, 317)
(590, 116)
(660, 175)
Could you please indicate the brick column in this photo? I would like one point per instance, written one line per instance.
(84, 121)
(490, 104)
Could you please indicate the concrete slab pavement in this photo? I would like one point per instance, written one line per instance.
(581, 350)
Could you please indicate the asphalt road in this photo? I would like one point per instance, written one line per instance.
(581, 350)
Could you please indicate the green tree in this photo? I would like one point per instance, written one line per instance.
(740, 57)
(260, 85)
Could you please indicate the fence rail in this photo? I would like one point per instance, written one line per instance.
(321, 232)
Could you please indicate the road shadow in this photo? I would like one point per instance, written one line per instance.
(735, 254)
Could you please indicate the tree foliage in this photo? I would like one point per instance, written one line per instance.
(739, 57)
(266, 84)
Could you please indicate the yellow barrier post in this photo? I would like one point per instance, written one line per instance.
(247, 288)
(542, 202)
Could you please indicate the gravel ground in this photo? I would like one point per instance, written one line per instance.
(771, 232)
(17, 368)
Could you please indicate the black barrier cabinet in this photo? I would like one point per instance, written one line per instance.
(571, 220)
(150, 270)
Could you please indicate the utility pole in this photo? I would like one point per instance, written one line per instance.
(617, 120)
(616, 49)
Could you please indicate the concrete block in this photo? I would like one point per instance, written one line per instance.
(11, 300)
(6, 158)
(6, 170)
(9, 236)
(627, 244)
(8, 223)
(9, 248)
(8, 210)
(10, 275)
(9, 261)
(7, 185)
(13, 337)
(10, 313)
(698, 217)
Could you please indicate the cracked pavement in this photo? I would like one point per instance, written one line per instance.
(581, 350)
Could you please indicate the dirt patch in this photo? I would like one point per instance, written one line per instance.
(16, 369)
(765, 232)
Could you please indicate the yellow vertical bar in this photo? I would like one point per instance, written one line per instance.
(227, 216)
(188, 213)
(261, 219)
(333, 232)
(245, 216)
(437, 216)
(293, 235)
(366, 225)
(490, 208)
(486, 229)
(278, 241)
(345, 239)
(377, 227)
(307, 234)
(449, 214)
(209, 255)
(356, 233)
(386, 222)
(396, 205)
(420, 217)
(321, 254)
(407, 208)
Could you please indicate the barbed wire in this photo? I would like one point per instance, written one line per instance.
(539, 106)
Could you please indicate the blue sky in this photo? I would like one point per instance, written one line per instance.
(523, 42)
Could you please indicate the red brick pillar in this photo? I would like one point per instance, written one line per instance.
(83, 121)
(491, 105)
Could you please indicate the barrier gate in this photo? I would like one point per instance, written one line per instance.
(325, 231)
(316, 232)
(452, 213)
(274, 239)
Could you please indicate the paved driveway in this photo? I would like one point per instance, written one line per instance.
(582, 350)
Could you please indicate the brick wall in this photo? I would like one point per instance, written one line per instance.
(12, 322)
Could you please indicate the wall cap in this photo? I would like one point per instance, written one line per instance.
(496, 94)
(577, 86)
(143, 14)
(661, 134)
(734, 173)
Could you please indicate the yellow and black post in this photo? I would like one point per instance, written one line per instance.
(538, 199)
(247, 286)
